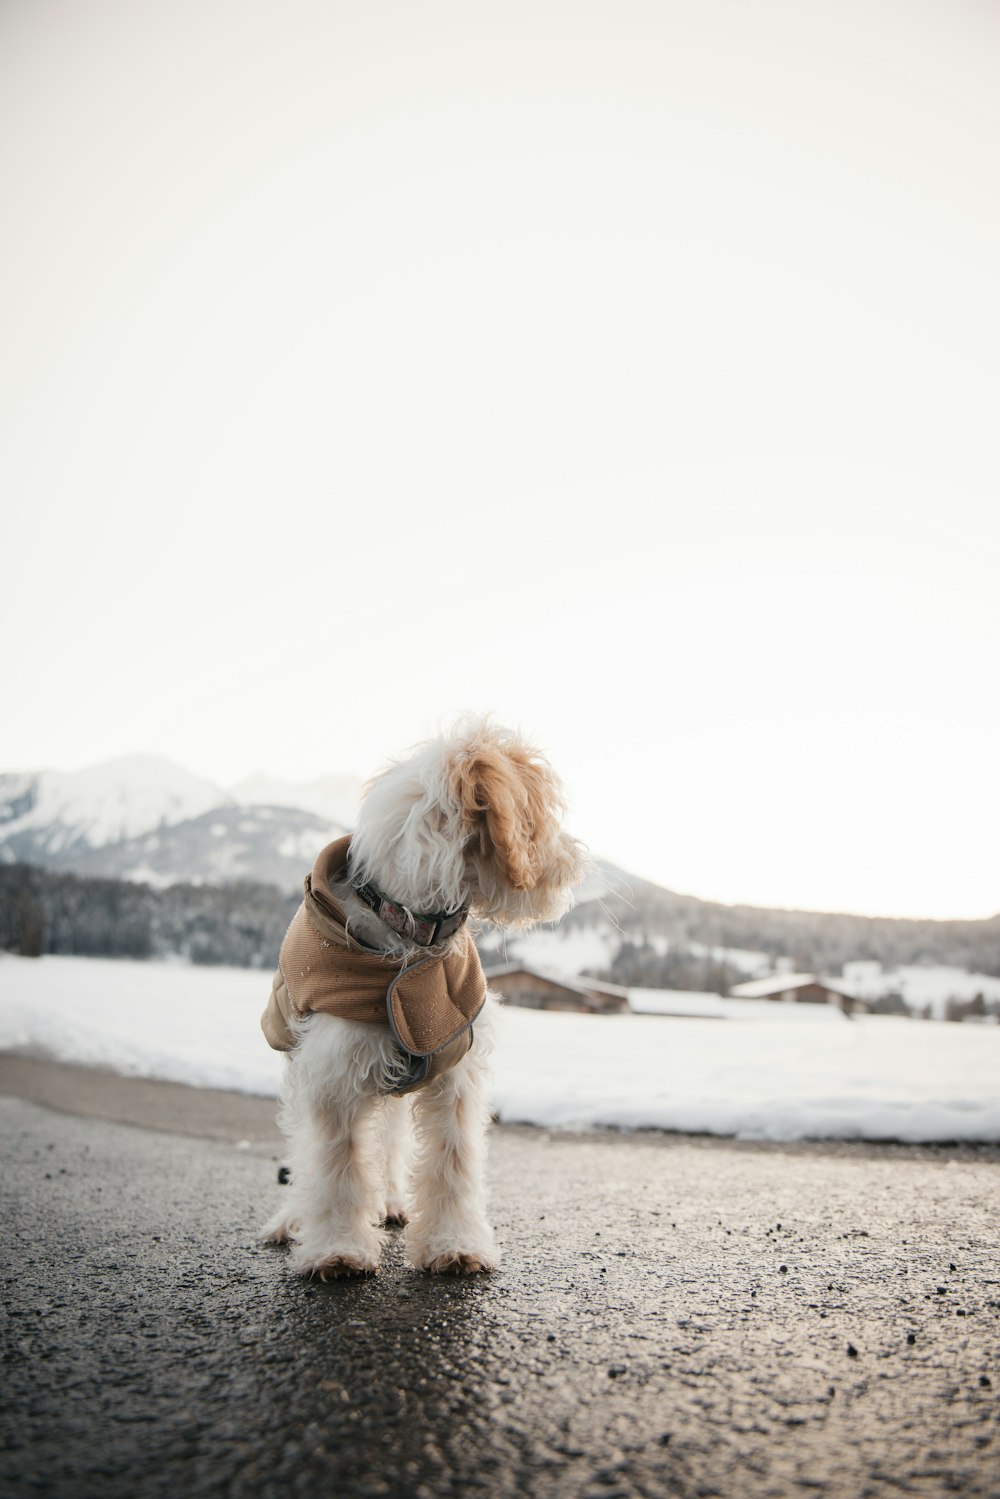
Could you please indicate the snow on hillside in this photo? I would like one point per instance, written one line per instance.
(776, 1077)
(334, 798)
(269, 845)
(920, 984)
(560, 950)
(107, 803)
(747, 960)
(576, 949)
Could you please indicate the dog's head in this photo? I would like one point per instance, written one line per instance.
(471, 819)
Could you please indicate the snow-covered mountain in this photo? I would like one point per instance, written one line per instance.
(145, 818)
(334, 799)
(225, 846)
(49, 813)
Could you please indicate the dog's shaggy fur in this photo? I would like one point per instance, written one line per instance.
(472, 819)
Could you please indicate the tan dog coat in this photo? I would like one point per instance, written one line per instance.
(429, 1005)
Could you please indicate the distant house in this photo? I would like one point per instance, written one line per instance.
(535, 990)
(798, 988)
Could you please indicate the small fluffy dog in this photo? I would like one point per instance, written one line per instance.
(382, 1003)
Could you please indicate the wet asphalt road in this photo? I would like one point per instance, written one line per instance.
(673, 1317)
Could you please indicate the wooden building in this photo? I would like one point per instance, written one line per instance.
(534, 989)
(798, 988)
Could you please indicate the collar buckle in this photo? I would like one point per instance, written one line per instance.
(426, 930)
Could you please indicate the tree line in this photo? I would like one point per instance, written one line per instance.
(242, 924)
(45, 912)
(816, 942)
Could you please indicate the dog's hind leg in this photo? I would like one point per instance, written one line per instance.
(280, 1228)
(397, 1142)
(449, 1233)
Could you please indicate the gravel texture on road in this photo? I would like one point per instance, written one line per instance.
(673, 1317)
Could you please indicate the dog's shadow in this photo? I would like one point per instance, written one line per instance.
(401, 1329)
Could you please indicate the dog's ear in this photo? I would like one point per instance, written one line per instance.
(510, 802)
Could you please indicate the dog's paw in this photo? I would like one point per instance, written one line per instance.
(344, 1267)
(461, 1246)
(458, 1262)
(328, 1262)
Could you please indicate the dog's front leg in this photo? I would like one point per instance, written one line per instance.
(449, 1233)
(336, 1186)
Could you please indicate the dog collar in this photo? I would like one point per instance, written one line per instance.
(425, 929)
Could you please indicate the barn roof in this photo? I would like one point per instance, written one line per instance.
(579, 985)
(781, 983)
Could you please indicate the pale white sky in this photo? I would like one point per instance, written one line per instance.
(631, 370)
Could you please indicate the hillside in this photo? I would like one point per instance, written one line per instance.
(653, 923)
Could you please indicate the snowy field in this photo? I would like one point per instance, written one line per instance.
(809, 1073)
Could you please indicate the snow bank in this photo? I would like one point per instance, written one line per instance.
(782, 1078)
(166, 1020)
(877, 1078)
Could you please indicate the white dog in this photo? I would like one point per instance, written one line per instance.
(380, 995)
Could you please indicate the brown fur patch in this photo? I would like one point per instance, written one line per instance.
(511, 802)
